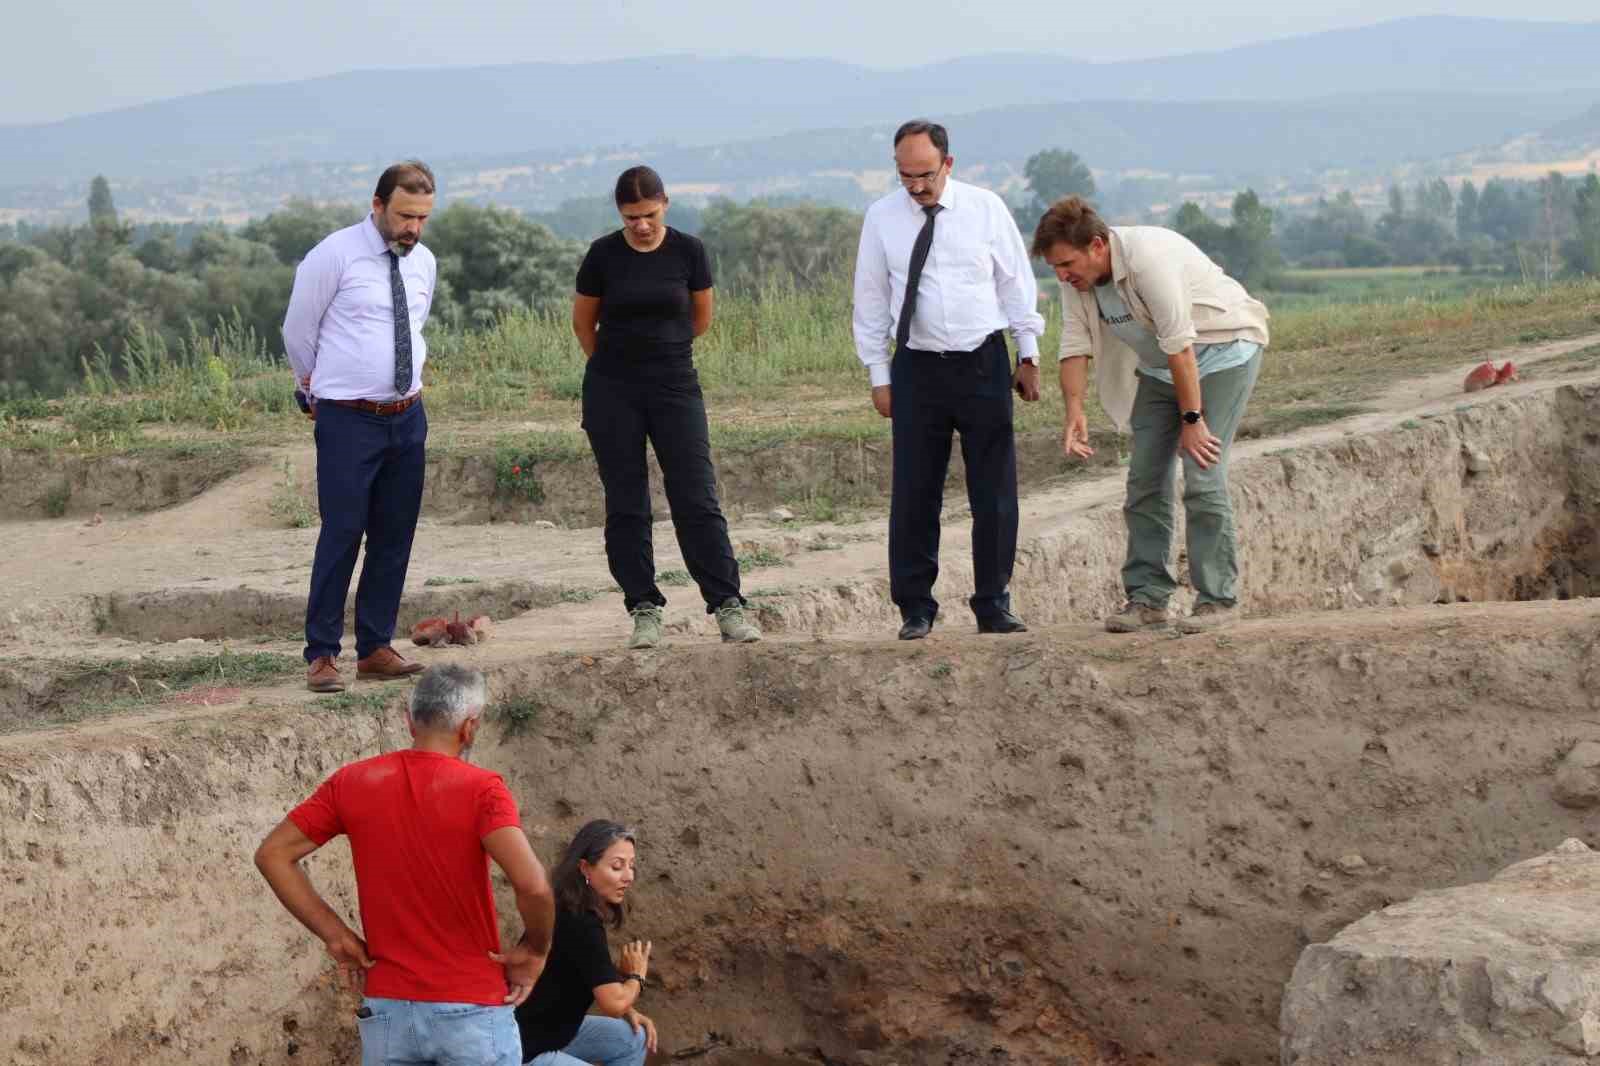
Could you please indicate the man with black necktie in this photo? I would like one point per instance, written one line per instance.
(940, 272)
(353, 335)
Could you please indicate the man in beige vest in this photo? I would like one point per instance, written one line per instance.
(1177, 346)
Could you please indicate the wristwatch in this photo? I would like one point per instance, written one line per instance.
(633, 977)
(1191, 417)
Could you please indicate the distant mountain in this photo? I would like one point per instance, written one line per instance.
(1280, 149)
(547, 109)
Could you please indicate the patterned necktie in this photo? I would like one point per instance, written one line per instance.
(402, 329)
(919, 259)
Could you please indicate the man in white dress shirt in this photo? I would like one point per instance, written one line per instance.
(353, 335)
(940, 272)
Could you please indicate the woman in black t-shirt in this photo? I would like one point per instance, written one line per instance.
(590, 882)
(644, 295)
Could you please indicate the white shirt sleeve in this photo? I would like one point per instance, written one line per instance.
(1015, 286)
(870, 319)
(316, 282)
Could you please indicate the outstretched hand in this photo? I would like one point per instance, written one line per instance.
(1075, 436)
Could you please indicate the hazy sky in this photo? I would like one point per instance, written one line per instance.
(67, 58)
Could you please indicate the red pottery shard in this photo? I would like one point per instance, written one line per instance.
(430, 631)
(1506, 373)
(1481, 377)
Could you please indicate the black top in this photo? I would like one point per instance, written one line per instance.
(579, 962)
(646, 319)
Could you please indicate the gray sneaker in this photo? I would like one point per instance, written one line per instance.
(733, 619)
(1135, 617)
(1208, 616)
(646, 626)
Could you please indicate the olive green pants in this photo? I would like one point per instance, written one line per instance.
(1147, 577)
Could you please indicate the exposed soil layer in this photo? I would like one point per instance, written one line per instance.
(1061, 848)
(1495, 501)
(40, 484)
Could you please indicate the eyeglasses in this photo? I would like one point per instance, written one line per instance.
(923, 178)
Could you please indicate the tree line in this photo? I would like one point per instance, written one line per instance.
(70, 294)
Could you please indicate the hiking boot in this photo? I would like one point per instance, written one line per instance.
(646, 626)
(385, 664)
(1208, 616)
(322, 675)
(734, 621)
(1137, 616)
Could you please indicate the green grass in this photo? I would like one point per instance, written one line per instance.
(577, 594)
(756, 558)
(516, 715)
(777, 368)
(673, 577)
(436, 582)
(355, 702)
(110, 686)
(289, 504)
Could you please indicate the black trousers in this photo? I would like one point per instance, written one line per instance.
(369, 485)
(934, 395)
(619, 415)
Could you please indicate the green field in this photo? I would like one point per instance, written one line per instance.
(1302, 289)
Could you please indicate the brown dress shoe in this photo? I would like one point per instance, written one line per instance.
(323, 675)
(385, 664)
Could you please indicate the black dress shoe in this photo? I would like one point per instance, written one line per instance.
(1004, 622)
(916, 628)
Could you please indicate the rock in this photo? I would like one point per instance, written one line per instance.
(1400, 569)
(1582, 1036)
(543, 523)
(1352, 863)
(1503, 972)
(1578, 776)
(189, 641)
(1479, 462)
(781, 514)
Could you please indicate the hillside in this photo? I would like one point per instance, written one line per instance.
(544, 110)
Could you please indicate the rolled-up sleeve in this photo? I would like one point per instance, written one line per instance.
(316, 282)
(1015, 286)
(1076, 339)
(870, 317)
(1159, 282)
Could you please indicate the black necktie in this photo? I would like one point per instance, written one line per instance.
(402, 329)
(919, 259)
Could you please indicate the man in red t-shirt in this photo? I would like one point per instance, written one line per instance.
(423, 823)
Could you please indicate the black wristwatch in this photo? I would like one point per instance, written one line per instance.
(1191, 417)
(633, 977)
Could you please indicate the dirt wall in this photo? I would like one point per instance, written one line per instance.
(1061, 848)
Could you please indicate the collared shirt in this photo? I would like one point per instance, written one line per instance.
(1172, 289)
(340, 327)
(977, 278)
(1153, 362)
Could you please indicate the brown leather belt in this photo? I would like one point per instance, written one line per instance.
(374, 407)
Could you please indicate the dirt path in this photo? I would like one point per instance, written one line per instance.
(61, 574)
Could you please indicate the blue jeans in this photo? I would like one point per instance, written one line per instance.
(600, 1041)
(407, 1032)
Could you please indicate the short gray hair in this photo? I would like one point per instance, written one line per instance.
(446, 696)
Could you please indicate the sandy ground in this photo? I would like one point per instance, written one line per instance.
(1065, 847)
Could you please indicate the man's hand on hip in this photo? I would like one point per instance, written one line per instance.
(880, 400)
(1026, 381)
(523, 967)
(350, 952)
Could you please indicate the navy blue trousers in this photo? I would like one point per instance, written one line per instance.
(369, 484)
(933, 396)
